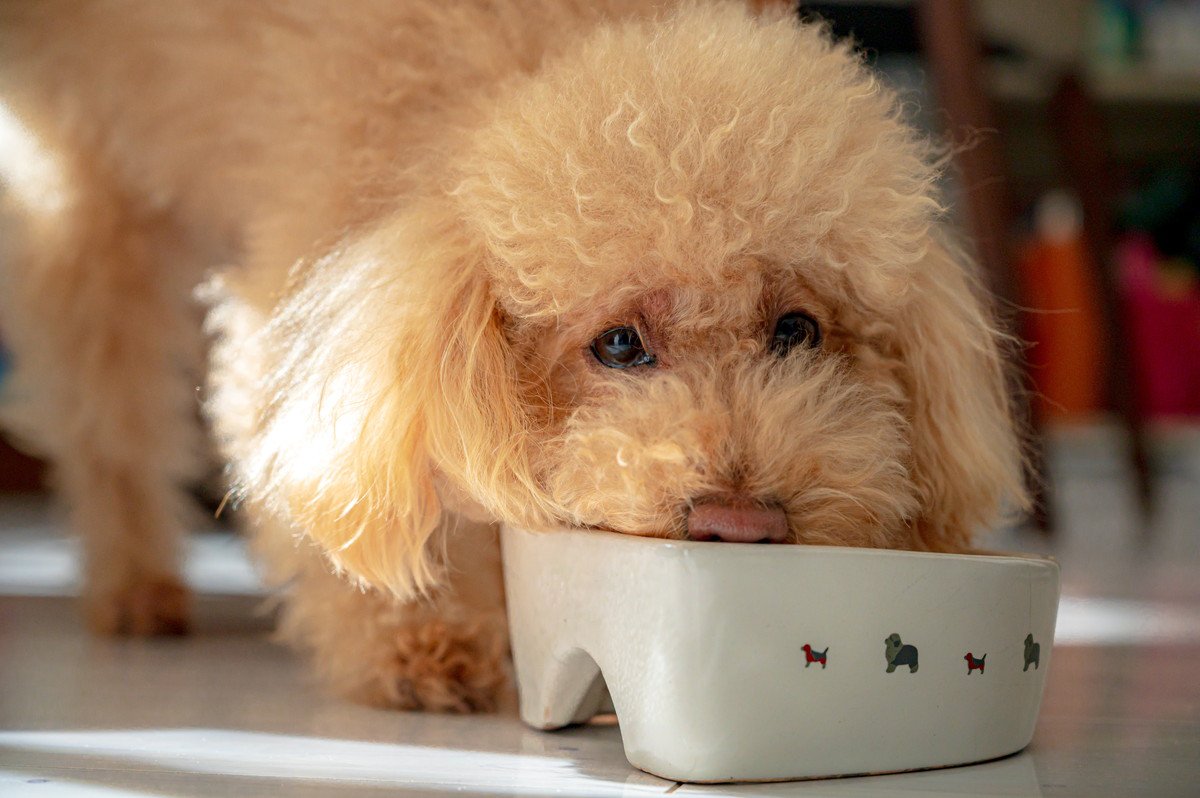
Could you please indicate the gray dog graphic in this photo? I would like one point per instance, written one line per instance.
(1033, 653)
(898, 654)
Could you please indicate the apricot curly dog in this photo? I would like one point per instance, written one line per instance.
(666, 269)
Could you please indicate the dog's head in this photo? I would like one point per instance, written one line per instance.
(893, 644)
(693, 263)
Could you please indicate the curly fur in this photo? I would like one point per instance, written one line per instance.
(433, 208)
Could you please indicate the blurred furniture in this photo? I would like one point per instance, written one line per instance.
(19, 473)
(1079, 132)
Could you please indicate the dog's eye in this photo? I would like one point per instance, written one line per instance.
(621, 348)
(795, 329)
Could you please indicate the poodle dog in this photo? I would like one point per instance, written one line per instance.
(669, 269)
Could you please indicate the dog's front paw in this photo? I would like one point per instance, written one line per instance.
(140, 605)
(442, 666)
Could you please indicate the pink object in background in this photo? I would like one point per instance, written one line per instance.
(1163, 313)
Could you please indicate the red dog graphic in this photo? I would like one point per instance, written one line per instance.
(974, 664)
(811, 656)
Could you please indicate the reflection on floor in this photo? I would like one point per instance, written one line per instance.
(226, 712)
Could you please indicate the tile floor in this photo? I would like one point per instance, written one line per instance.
(226, 712)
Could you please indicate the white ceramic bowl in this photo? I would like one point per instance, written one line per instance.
(700, 649)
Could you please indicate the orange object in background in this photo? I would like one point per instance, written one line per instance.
(1066, 357)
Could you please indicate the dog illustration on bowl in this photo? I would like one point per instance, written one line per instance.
(898, 653)
(1033, 653)
(811, 656)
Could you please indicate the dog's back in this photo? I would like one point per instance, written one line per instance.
(226, 111)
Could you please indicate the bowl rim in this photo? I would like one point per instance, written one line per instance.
(794, 550)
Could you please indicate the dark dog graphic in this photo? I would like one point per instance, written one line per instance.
(1033, 653)
(974, 664)
(897, 654)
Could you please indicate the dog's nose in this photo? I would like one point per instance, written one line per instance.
(735, 524)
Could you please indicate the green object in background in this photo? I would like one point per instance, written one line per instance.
(1167, 207)
(1114, 34)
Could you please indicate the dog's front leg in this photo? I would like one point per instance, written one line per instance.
(444, 653)
(96, 310)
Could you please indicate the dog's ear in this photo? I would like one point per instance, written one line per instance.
(391, 389)
(967, 447)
